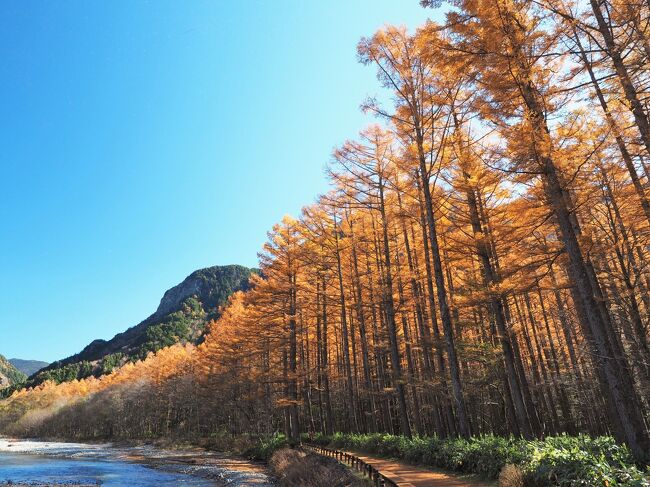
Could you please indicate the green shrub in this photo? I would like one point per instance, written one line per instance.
(561, 460)
(487, 455)
(265, 447)
(415, 451)
(581, 460)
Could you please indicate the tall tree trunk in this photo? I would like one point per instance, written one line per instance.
(363, 335)
(441, 294)
(345, 333)
(625, 154)
(294, 437)
(615, 54)
(496, 307)
(442, 368)
(387, 299)
(329, 421)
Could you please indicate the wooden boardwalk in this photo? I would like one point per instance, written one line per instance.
(385, 472)
(404, 475)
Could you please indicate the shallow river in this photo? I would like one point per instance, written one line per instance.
(42, 463)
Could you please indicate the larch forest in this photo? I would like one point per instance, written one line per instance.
(479, 266)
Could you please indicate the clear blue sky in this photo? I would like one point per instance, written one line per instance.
(141, 140)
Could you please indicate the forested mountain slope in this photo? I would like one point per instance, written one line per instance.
(181, 316)
(9, 375)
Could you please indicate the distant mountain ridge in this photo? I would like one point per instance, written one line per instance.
(28, 367)
(182, 315)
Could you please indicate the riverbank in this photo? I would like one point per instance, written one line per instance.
(37, 463)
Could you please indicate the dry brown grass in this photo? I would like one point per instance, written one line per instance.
(511, 476)
(296, 468)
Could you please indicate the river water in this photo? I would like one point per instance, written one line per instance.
(41, 463)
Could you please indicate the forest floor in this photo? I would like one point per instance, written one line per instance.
(405, 475)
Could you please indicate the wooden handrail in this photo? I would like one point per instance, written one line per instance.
(376, 477)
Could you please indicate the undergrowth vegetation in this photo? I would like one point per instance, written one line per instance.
(558, 460)
(264, 448)
(296, 468)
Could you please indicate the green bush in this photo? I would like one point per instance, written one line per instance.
(572, 460)
(560, 460)
(266, 447)
(486, 455)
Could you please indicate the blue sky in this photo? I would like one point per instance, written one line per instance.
(141, 140)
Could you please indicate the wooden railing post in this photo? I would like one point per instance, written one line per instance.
(377, 479)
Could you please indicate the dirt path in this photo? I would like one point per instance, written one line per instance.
(405, 475)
